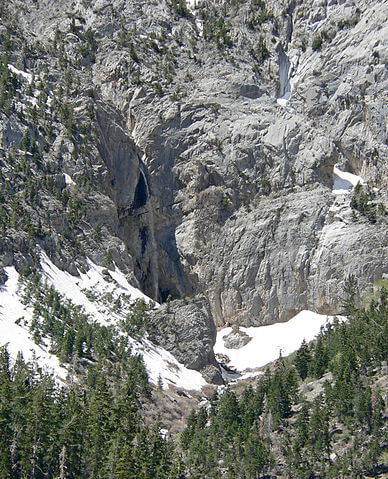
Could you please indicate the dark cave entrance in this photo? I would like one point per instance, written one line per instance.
(141, 192)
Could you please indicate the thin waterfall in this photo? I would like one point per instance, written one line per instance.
(151, 225)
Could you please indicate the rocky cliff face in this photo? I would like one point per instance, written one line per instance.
(204, 137)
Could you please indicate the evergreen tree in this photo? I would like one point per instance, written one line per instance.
(229, 410)
(350, 295)
(320, 359)
(256, 456)
(279, 400)
(72, 428)
(5, 415)
(99, 427)
(364, 407)
(319, 436)
(302, 360)
(302, 426)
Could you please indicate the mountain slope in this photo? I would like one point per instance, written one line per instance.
(198, 149)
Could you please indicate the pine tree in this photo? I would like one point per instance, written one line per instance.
(364, 407)
(350, 293)
(99, 427)
(41, 425)
(279, 400)
(319, 429)
(67, 345)
(320, 359)
(302, 426)
(256, 456)
(302, 360)
(188, 434)
(5, 416)
(21, 415)
(71, 433)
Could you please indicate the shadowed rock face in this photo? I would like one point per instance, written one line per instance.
(204, 183)
(141, 192)
(121, 158)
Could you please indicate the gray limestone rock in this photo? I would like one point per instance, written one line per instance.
(236, 339)
(11, 132)
(187, 330)
(204, 181)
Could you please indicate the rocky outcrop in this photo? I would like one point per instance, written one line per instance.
(186, 329)
(236, 339)
(3, 276)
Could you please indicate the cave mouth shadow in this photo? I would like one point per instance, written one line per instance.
(141, 192)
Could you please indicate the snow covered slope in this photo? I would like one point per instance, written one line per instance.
(95, 291)
(267, 342)
(344, 181)
(26, 76)
(14, 330)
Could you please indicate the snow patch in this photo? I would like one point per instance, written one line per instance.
(268, 342)
(96, 281)
(344, 181)
(283, 101)
(14, 320)
(162, 364)
(192, 4)
(199, 24)
(159, 362)
(68, 180)
(25, 75)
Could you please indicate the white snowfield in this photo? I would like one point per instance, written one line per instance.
(162, 364)
(193, 4)
(268, 342)
(344, 181)
(283, 101)
(159, 362)
(68, 180)
(17, 336)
